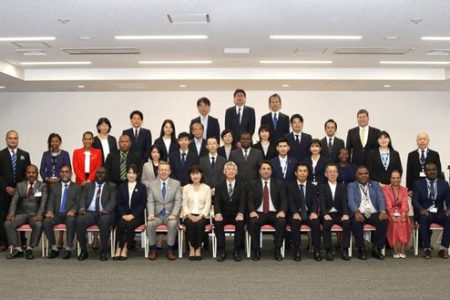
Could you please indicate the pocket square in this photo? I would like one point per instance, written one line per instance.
(136, 190)
(22, 157)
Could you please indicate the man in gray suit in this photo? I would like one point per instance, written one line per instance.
(330, 143)
(97, 204)
(63, 198)
(27, 207)
(163, 206)
(247, 159)
(212, 164)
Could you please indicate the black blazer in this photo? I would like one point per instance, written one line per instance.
(180, 171)
(226, 206)
(414, 167)
(221, 152)
(55, 195)
(282, 125)
(213, 129)
(271, 151)
(376, 168)
(327, 202)
(277, 172)
(6, 172)
(108, 197)
(142, 146)
(277, 194)
(193, 148)
(358, 154)
(247, 169)
(299, 151)
(338, 144)
(159, 142)
(319, 172)
(212, 176)
(298, 203)
(112, 165)
(247, 121)
(138, 200)
(112, 142)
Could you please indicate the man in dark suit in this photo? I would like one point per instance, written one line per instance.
(141, 138)
(13, 162)
(247, 159)
(198, 143)
(283, 165)
(367, 206)
(299, 142)
(304, 210)
(118, 162)
(276, 120)
(267, 204)
(429, 196)
(97, 204)
(334, 210)
(27, 207)
(210, 124)
(229, 208)
(240, 118)
(417, 159)
(182, 160)
(330, 143)
(212, 164)
(62, 205)
(361, 139)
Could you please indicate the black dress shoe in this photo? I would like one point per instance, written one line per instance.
(378, 254)
(116, 258)
(277, 254)
(83, 255)
(123, 257)
(191, 258)
(344, 254)
(362, 254)
(53, 254)
(329, 256)
(67, 254)
(197, 258)
(256, 255)
(103, 256)
(15, 254)
(427, 254)
(237, 255)
(297, 254)
(317, 256)
(29, 254)
(221, 256)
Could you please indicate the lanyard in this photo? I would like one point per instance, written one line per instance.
(396, 203)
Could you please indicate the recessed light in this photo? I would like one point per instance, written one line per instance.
(285, 85)
(86, 38)
(54, 63)
(393, 62)
(316, 37)
(174, 62)
(2, 87)
(295, 61)
(182, 86)
(161, 37)
(80, 86)
(236, 50)
(391, 37)
(27, 39)
(387, 85)
(435, 38)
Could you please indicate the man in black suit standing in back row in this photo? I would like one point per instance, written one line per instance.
(276, 120)
(240, 118)
(211, 127)
(141, 138)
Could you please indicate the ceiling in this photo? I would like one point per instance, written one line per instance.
(385, 24)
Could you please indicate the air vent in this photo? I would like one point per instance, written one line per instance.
(188, 18)
(373, 51)
(439, 52)
(310, 50)
(101, 51)
(31, 52)
(31, 45)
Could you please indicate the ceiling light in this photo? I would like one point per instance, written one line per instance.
(236, 50)
(295, 61)
(387, 85)
(27, 39)
(2, 87)
(435, 38)
(54, 63)
(161, 37)
(285, 85)
(174, 62)
(393, 62)
(182, 86)
(316, 37)
(80, 86)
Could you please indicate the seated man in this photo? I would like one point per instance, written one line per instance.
(304, 207)
(267, 204)
(229, 208)
(97, 204)
(27, 207)
(163, 206)
(367, 205)
(334, 210)
(63, 199)
(429, 196)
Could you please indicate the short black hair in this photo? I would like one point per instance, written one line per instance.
(226, 131)
(264, 127)
(296, 116)
(282, 140)
(196, 169)
(362, 111)
(50, 137)
(239, 91)
(330, 121)
(134, 168)
(203, 100)
(137, 112)
(183, 135)
(104, 120)
(316, 142)
(88, 132)
(153, 147)
(265, 162)
(274, 96)
(301, 164)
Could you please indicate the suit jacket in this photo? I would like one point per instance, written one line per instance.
(112, 142)
(213, 128)
(247, 121)
(421, 200)
(277, 194)
(271, 151)
(358, 153)
(230, 207)
(172, 200)
(282, 125)
(143, 143)
(78, 164)
(376, 196)
(55, 195)
(180, 171)
(46, 170)
(300, 151)
(247, 169)
(221, 151)
(138, 200)
(414, 167)
(212, 175)
(327, 202)
(338, 144)
(319, 172)
(108, 197)
(304, 205)
(278, 172)
(204, 199)
(6, 171)
(174, 146)
(112, 165)
(35, 205)
(148, 173)
(376, 169)
(193, 148)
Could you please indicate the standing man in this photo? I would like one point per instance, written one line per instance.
(240, 118)
(141, 138)
(210, 124)
(299, 142)
(247, 159)
(182, 160)
(362, 139)
(276, 120)
(212, 164)
(330, 143)
(283, 165)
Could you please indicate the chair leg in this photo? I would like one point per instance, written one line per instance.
(416, 241)
(43, 244)
(180, 243)
(248, 241)
(112, 238)
(214, 248)
(350, 249)
(283, 248)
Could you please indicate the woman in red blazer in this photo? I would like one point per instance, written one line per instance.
(84, 176)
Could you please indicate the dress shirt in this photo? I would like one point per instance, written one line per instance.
(283, 164)
(105, 146)
(365, 200)
(204, 121)
(92, 206)
(131, 186)
(366, 134)
(333, 193)
(271, 206)
(87, 161)
(198, 145)
(167, 142)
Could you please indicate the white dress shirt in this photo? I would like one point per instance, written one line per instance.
(131, 186)
(333, 193)
(105, 146)
(92, 206)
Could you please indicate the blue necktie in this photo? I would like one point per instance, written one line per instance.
(62, 209)
(275, 121)
(14, 164)
(163, 192)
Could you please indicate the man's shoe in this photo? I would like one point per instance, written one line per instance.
(67, 254)
(344, 254)
(221, 256)
(153, 255)
(171, 255)
(443, 253)
(297, 254)
(329, 256)
(256, 255)
(53, 254)
(427, 253)
(103, 256)
(29, 254)
(362, 254)
(237, 255)
(83, 255)
(277, 254)
(378, 254)
(316, 255)
(15, 254)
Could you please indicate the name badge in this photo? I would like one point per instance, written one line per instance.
(433, 209)
(422, 174)
(38, 194)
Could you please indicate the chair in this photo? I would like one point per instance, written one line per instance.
(433, 227)
(264, 229)
(58, 228)
(228, 229)
(95, 228)
(338, 229)
(368, 229)
(27, 228)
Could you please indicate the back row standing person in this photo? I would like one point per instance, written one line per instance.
(141, 138)
(211, 127)
(277, 122)
(105, 142)
(240, 118)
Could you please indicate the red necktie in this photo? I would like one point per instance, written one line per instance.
(265, 198)
(30, 191)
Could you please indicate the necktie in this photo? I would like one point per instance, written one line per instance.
(239, 115)
(245, 154)
(213, 162)
(297, 139)
(302, 190)
(432, 191)
(30, 191)
(97, 199)
(14, 164)
(275, 121)
(163, 192)
(230, 190)
(62, 209)
(183, 158)
(123, 166)
(363, 137)
(265, 198)
(330, 145)
(136, 135)
(422, 157)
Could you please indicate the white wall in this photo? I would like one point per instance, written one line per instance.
(402, 114)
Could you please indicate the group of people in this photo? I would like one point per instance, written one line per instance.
(287, 179)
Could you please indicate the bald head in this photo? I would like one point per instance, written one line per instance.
(422, 140)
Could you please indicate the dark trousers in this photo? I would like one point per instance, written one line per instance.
(220, 233)
(5, 201)
(380, 232)
(346, 226)
(315, 232)
(49, 224)
(125, 231)
(194, 232)
(424, 225)
(104, 223)
(254, 227)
